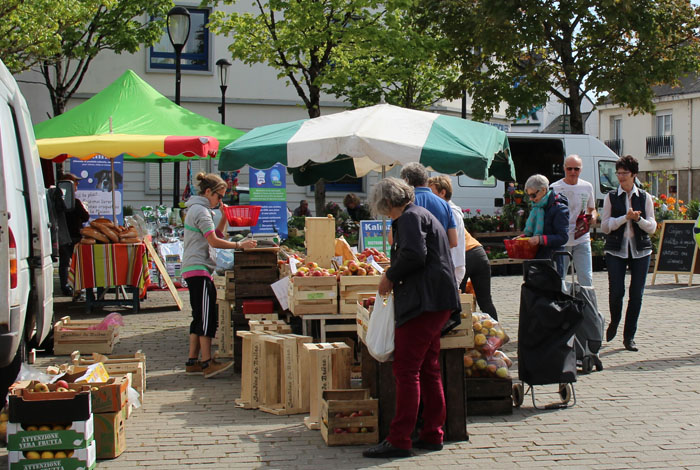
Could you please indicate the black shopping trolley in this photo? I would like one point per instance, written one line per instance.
(549, 318)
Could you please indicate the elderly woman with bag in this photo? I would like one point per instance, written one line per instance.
(426, 304)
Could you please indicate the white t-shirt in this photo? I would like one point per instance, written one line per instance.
(580, 197)
(458, 253)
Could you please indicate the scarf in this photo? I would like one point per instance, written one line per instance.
(535, 221)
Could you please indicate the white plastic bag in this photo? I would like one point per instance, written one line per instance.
(380, 332)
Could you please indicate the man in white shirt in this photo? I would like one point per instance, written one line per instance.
(442, 186)
(581, 199)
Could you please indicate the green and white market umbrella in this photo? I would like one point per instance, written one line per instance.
(353, 143)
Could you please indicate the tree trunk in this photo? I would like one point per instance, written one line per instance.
(576, 117)
(320, 187)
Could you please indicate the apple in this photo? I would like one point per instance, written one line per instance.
(62, 383)
(481, 364)
(353, 266)
(364, 430)
(299, 274)
(354, 429)
(339, 415)
(61, 389)
(361, 272)
(502, 372)
(312, 265)
(40, 387)
(317, 273)
(339, 431)
(354, 414)
(364, 413)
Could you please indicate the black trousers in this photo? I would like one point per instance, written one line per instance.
(478, 270)
(65, 253)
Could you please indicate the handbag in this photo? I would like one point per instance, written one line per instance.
(380, 332)
(583, 225)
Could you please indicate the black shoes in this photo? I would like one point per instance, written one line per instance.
(419, 444)
(67, 291)
(611, 332)
(630, 345)
(384, 450)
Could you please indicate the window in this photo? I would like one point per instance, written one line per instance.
(606, 176)
(663, 124)
(195, 55)
(653, 180)
(672, 183)
(616, 128)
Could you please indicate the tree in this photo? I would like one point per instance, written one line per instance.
(309, 43)
(115, 25)
(28, 31)
(520, 52)
(402, 68)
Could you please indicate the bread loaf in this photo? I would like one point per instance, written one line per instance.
(130, 240)
(106, 230)
(87, 241)
(90, 232)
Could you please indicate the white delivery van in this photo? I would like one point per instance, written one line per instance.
(26, 268)
(544, 154)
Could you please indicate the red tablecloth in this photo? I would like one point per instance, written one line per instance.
(109, 265)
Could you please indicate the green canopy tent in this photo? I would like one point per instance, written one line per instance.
(133, 108)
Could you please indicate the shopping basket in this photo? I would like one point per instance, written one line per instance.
(242, 216)
(520, 248)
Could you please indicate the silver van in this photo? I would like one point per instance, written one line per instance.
(26, 268)
(544, 154)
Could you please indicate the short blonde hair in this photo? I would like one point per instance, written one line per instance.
(442, 182)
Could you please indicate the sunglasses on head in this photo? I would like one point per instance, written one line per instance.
(573, 168)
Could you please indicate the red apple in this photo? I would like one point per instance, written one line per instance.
(62, 383)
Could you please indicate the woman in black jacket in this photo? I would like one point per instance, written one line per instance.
(426, 303)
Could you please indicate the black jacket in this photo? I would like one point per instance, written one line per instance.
(421, 268)
(555, 232)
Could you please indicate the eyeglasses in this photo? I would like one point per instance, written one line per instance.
(573, 168)
(221, 196)
(533, 195)
(623, 173)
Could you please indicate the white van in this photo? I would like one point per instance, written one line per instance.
(544, 154)
(26, 269)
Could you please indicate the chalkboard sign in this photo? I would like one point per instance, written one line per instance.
(677, 253)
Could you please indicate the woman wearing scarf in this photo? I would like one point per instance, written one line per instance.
(548, 222)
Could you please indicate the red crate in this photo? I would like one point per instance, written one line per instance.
(242, 216)
(519, 248)
(258, 306)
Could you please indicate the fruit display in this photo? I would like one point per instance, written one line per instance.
(352, 427)
(488, 335)
(357, 268)
(486, 359)
(105, 231)
(378, 256)
(313, 269)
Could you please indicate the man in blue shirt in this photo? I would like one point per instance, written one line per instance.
(416, 175)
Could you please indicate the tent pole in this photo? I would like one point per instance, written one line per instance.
(383, 217)
(114, 210)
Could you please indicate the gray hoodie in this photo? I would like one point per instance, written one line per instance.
(199, 257)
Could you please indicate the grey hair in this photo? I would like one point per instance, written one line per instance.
(415, 174)
(389, 193)
(537, 182)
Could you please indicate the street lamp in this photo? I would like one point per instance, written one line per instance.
(178, 32)
(223, 66)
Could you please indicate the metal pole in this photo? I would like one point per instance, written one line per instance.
(222, 109)
(383, 217)
(176, 168)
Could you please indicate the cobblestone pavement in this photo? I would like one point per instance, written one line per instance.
(642, 411)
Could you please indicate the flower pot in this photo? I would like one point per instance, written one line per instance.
(518, 200)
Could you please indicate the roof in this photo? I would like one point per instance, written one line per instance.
(562, 123)
(688, 84)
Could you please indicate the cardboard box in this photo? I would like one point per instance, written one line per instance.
(84, 459)
(110, 434)
(80, 435)
(110, 396)
(94, 373)
(29, 407)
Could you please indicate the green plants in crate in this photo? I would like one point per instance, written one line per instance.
(597, 246)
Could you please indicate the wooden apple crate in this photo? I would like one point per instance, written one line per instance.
(350, 289)
(224, 333)
(461, 336)
(261, 316)
(270, 326)
(252, 358)
(362, 318)
(489, 396)
(225, 286)
(119, 365)
(313, 295)
(346, 402)
(320, 240)
(71, 335)
(468, 303)
(285, 376)
(329, 366)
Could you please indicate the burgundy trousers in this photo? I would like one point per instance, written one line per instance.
(417, 374)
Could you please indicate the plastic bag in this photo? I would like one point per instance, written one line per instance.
(112, 319)
(27, 372)
(488, 334)
(224, 259)
(478, 364)
(132, 396)
(380, 332)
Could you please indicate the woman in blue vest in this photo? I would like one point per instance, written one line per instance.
(627, 221)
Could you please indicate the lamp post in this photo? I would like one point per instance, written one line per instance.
(178, 32)
(223, 65)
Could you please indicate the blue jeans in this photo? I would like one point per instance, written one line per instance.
(616, 280)
(582, 262)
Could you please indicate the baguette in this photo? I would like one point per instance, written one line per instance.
(130, 232)
(106, 222)
(130, 240)
(92, 233)
(88, 241)
(106, 230)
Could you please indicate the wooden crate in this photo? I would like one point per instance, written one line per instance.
(378, 377)
(347, 402)
(250, 369)
(270, 326)
(254, 259)
(264, 274)
(74, 335)
(320, 240)
(352, 288)
(489, 396)
(285, 384)
(224, 333)
(313, 295)
(261, 316)
(225, 286)
(247, 290)
(362, 317)
(468, 303)
(329, 367)
(460, 337)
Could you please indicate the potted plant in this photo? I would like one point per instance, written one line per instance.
(518, 195)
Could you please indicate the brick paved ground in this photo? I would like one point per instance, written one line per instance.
(642, 411)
